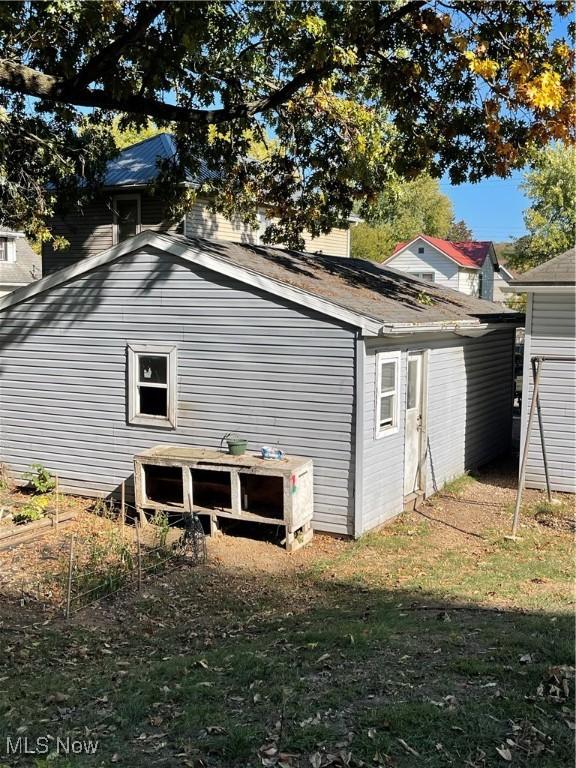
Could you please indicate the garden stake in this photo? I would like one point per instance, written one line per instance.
(57, 501)
(70, 569)
(123, 506)
(139, 549)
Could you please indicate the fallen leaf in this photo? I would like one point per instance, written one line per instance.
(504, 753)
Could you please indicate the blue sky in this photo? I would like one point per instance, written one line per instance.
(492, 208)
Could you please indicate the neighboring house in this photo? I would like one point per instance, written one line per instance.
(466, 267)
(550, 335)
(126, 207)
(502, 279)
(336, 359)
(19, 264)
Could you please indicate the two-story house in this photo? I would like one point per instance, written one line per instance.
(126, 207)
(468, 267)
(19, 264)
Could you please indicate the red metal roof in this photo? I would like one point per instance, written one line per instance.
(471, 253)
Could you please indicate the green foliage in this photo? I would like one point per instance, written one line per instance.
(39, 479)
(402, 211)
(550, 185)
(458, 485)
(354, 94)
(459, 232)
(35, 509)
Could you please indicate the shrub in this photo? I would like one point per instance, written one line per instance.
(33, 510)
(40, 479)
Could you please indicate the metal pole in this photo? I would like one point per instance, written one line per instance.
(70, 571)
(139, 550)
(541, 429)
(524, 461)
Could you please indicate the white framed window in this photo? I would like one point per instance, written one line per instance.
(126, 214)
(152, 378)
(424, 276)
(3, 249)
(387, 392)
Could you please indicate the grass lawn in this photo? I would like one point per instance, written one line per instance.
(432, 642)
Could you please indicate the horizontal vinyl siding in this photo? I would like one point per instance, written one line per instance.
(383, 460)
(246, 364)
(552, 332)
(468, 280)
(410, 261)
(202, 222)
(334, 243)
(469, 404)
(469, 415)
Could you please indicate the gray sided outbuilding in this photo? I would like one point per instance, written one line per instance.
(550, 342)
(315, 354)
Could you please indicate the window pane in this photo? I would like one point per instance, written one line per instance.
(412, 384)
(387, 377)
(386, 410)
(153, 401)
(3, 249)
(126, 218)
(153, 369)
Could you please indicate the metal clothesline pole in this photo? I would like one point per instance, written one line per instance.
(537, 362)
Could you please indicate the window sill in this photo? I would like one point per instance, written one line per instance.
(385, 432)
(151, 421)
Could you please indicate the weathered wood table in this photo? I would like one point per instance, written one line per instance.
(213, 483)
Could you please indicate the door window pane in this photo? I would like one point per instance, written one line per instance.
(412, 395)
(126, 218)
(388, 377)
(153, 369)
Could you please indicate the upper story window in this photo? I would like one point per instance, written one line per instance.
(127, 220)
(152, 385)
(3, 249)
(387, 393)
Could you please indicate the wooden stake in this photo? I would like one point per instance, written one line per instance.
(70, 572)
(57, 490)
(123, 505)
(139, 551)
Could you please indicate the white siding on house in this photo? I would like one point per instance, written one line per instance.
(551, 330)
(468, 281)
(201, 222)
(247, 363)
(500, 284)
(469, 416)
(431, 260)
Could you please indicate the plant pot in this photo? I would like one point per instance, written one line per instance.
(237, 447)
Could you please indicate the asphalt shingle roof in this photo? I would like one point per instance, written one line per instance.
(561, 270)
(364, 287)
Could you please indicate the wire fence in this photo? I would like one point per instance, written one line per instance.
(118, 556)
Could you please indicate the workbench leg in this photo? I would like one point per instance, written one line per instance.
(214, 527)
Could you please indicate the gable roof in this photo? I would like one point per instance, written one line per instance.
(361, 293)
(137, 165)
(561, 270)
(468, 253)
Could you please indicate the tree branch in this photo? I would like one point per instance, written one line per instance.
(97, 64)
(19, 78)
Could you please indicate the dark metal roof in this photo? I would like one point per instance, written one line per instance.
(561, 270)
(137, 165)
(364, 287)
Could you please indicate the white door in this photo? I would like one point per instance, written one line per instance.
(413, 421)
